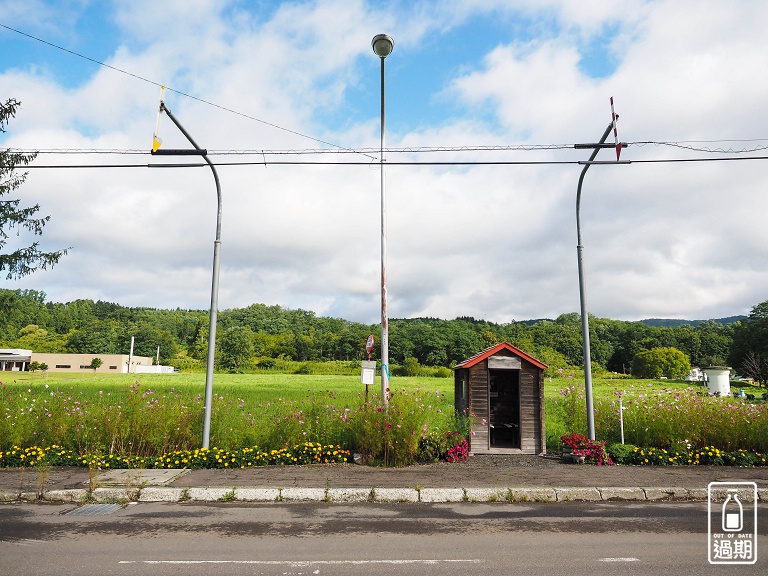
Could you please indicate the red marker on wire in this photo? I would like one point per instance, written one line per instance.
(615, 134)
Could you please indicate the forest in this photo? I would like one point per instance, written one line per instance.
(259, 335)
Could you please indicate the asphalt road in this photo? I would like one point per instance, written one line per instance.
(154, 539)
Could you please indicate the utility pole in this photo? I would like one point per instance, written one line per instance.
(215, 279)
(582, 281)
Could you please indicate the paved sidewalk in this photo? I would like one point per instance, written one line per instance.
(481, 478)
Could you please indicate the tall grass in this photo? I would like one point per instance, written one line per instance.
(663, 417)
(158, 414)
(142, 421)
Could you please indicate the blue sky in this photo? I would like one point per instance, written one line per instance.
(413, 75)
(665, 240)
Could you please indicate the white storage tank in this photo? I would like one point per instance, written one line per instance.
(719, 380)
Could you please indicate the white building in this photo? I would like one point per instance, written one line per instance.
(17, 360)
(14, 359)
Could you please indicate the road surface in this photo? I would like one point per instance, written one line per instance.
(155, 539)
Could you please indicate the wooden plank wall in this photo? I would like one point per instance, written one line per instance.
(542, 417)
(478, 394)
(530, 428)
(461, 402)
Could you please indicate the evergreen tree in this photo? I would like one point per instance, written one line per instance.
(26, 259)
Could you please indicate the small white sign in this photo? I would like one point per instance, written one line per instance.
(368, 375)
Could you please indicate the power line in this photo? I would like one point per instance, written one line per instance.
(179, 92)
(687, 145)
(427, 163)
(363, 151)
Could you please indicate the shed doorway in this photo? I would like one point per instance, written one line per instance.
(504, 404)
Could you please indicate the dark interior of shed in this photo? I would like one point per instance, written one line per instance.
(504, 403)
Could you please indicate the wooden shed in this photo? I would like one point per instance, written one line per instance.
(502, 387)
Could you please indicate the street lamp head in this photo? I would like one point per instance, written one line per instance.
(382, 45)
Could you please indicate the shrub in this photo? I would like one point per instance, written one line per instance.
(442, 372)
(658, 362)
(411, 367)
(304, 369)
(451, 446)
(620, 453)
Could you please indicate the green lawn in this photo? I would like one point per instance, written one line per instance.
(262, 386)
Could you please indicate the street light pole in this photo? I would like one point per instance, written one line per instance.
(583, 293)
(382, 45)
(215, 278)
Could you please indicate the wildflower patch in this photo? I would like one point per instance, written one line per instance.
(307, 453)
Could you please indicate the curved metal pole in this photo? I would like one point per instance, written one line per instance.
(583, 297)
(214, 289)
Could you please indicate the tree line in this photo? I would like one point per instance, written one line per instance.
(255, 335)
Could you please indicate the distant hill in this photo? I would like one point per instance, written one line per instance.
(535, 321)
(670, 322)
(658, 322)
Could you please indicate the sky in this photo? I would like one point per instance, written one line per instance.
(484, 101)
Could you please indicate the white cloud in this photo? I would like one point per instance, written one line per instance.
(498, 242)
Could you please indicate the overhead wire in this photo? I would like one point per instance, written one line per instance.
(686, 145)
(369, 152)
(410, 163)
(170, 89)
(689, 145)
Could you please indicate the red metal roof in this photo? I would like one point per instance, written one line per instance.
(480, 356)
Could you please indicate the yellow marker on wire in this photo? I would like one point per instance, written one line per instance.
(156, 140)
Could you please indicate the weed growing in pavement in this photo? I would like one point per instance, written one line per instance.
(228, 496)
(43, 473)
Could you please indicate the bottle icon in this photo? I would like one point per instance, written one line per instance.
(733, 513)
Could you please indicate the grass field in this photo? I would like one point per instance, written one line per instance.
(264, 387)
(156, 413)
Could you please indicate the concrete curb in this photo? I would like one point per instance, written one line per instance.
(665, 493)
(302, 494)
(394, 495)
(374, 494)
(257, 494)
(157, 494)
(442, 495)
(349, 494)
(531, 495)
(577, 494)
(622, 493)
